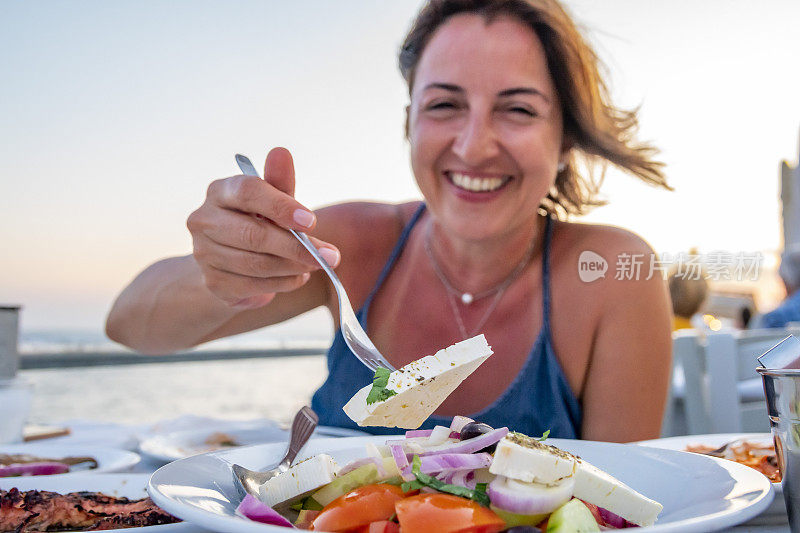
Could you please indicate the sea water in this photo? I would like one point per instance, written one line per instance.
(274, 388)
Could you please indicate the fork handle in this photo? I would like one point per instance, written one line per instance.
(304, 424)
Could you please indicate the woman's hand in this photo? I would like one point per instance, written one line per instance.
(240, 237)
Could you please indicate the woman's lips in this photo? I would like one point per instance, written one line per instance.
(475, 187)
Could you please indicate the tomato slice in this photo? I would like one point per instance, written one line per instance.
(445, 513)
(359, 507)
(384, 526)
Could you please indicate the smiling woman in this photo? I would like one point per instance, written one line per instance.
(508, 118)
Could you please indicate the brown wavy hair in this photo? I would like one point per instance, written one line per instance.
(597, 132)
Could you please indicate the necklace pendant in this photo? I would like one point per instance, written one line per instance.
(466, 298)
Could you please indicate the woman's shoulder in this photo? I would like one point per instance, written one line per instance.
(604, 261)
(600, 238)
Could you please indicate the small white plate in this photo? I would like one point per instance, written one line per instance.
(108, 459)
(699, 493)
(176, 445)
(680, 443)
(117, 485)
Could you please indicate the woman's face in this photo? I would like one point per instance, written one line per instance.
(484, 126)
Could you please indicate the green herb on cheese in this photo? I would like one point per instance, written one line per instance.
(544, 436)
(379, 391)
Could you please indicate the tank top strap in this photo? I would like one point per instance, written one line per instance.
(398, 249)
(548, 234)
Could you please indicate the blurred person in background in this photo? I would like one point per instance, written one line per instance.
(688, 294)
(789, 310)
(508, 118)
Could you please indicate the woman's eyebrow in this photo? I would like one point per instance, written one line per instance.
(503, 94)
(523, 90)
(446, 86)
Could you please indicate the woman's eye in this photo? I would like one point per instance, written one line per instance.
(442, 105)
(522, 111)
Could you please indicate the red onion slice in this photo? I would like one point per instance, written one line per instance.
(614, 520)
(402, 462)
(472, 445)
(462, 478)
(352, 465)
(454, 462)
(521, 497)
(418, 433)
(40, 468)
(254, 509)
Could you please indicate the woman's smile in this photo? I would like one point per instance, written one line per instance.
(472, 186)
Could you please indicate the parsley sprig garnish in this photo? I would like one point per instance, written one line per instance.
(379, 392)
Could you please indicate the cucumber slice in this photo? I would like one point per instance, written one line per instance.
(514, 519)
(572, 517)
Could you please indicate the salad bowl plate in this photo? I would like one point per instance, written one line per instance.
(108, 459)
(699, 493)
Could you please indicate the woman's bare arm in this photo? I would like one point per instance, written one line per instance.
(168, 307)
(628, 376)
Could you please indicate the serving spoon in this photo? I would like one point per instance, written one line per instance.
(305, 421)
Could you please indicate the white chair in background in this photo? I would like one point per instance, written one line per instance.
(720, 391)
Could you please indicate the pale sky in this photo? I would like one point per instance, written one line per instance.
(114, 117)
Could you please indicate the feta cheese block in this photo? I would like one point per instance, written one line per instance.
(302, 477)
(595, 486)
(420, 386)
(527, 459)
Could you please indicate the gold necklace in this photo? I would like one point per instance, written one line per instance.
(467, 298)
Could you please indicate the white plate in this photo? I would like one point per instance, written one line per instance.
(778, 506)
(170, 447)
(108, 459)
(118, 485)
(699, 493)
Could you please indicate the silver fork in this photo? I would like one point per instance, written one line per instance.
(305, 421)
(354, 335)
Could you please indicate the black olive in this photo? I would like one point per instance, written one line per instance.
(523, 529)
(476, 429)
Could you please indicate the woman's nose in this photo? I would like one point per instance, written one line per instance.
(476, 141)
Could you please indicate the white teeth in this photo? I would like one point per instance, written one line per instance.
(476, 184)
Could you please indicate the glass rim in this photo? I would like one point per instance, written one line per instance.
(778, 372)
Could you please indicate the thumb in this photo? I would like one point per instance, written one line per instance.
(279, 170)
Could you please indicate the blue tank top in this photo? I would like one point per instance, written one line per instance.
(539, 398)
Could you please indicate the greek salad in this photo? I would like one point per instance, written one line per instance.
(468, 477)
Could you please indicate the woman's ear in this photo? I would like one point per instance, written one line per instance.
(408, 112)
(566, 146)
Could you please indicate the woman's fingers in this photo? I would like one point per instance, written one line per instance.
(247, 263)
(250, 194)
(235, 288)
(245, 232)
(279, 170)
